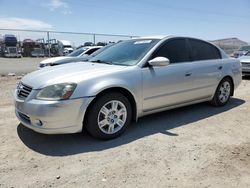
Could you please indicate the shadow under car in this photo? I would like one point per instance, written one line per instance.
(163, 122)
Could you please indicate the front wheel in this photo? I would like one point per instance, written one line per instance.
(223, 92)
(109, 116)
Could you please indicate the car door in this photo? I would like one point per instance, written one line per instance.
(207, 67)
(171, 84)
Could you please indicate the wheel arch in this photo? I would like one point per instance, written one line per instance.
(121, 90)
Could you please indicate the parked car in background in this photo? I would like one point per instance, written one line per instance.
(245, 62)
(78, 55)
(242, 51)
(129, 80)
(102, 44)
(82, 58)
(88, 44)
(87, 58)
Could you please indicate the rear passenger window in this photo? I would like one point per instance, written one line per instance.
(203, 51)
(175, 50)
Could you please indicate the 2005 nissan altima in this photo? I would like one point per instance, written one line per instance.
(130, 79)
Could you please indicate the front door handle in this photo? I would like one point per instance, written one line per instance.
(188, 74)
(220, 67)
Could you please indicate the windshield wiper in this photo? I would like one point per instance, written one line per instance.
(101, 61)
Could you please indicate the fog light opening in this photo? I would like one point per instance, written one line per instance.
(37, 122)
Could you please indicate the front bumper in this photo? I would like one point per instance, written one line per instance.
(245, 73)
(52, 117)
(245, 68)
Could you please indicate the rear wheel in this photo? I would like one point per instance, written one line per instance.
(223, 92)
(109, 116)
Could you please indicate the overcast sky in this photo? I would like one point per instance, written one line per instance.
(206, 19)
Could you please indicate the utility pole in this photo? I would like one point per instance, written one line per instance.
(94, 39)
(48, 42)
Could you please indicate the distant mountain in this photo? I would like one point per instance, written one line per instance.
(229, 45)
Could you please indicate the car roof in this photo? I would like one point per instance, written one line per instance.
(160, 37)
(91, 47)
(154, 37)
(163, 37)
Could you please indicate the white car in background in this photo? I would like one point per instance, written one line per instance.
(245, 62)
(241, 52)
(72, 57)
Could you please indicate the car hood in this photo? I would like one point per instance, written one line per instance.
(245, 59)
(72, 73)
(67, 60)
(53, 59)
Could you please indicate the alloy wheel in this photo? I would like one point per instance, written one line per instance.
(224, 91)
(112, 117)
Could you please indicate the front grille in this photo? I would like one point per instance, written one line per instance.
(23, 91)
(245, 64)
(24, 117)
(12, 50)
(245, 73)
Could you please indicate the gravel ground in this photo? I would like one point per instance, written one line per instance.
(195, 146)
(18, 65)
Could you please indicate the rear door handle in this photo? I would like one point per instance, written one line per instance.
(188, 74)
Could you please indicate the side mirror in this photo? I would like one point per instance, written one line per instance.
(159, 62)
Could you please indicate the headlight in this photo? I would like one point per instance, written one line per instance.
(56, 92)
(45, 65)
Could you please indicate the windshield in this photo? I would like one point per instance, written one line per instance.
(125, 53)
(77, 52)
(67, 46)
(100, 50)
(37, 50)
(245, 48)
(247, 54)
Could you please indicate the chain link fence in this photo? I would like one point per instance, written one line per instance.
(30, 41)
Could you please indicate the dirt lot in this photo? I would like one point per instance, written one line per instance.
(18, 65)
(195, 146)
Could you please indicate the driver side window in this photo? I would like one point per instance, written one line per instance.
(175, 50)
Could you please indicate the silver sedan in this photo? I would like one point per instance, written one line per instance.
(129, 80)
(245, 62)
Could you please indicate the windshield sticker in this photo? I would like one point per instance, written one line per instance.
(143, 42)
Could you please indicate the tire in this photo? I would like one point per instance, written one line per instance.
(222, 93)
(108, 116)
